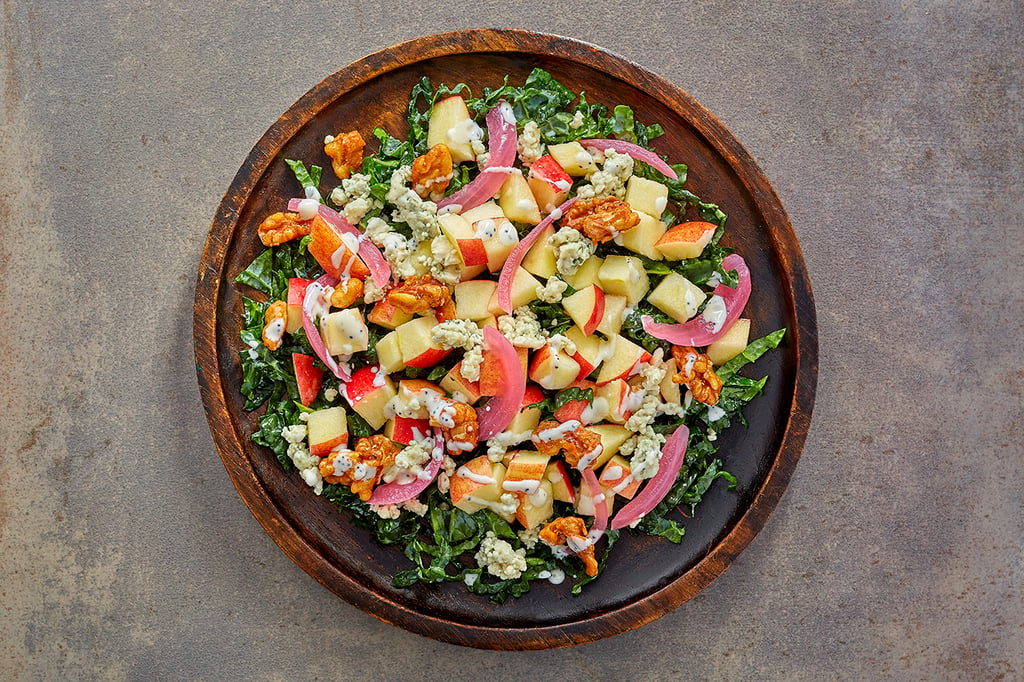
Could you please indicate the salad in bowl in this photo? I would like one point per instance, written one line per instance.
(501, 342)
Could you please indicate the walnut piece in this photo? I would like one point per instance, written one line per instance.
(274, 322)
(560, 530)
(282, 227)
(463, 436)
(363, 467)
(432, 172)
(417, 294)
(346, 152)
(601, 219)
(697, 373)
(577, 444)
(347, 292)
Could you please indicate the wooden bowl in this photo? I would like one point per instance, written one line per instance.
(646, 576)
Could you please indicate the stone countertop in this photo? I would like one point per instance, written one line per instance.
(893, 135)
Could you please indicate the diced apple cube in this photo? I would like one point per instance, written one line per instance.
(625, 276)
(549, 183)
(617, 476)
(517, 200)
(686, 240)
(472, 299)
(344, 332)
(327, 429)
(641, 238)
(677, 297)
(451, 124)
(388, 353)
(573, 158)
(731, 343)
(586, 308)
(614, 312)
(540, 259)
(612, 438)
(524, 290)
(645, 195)
(417, 345)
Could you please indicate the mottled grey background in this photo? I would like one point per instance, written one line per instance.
(893, 134)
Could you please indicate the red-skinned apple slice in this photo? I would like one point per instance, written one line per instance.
(586, 308)
(549, 182)
(368, 392)
(308, 377)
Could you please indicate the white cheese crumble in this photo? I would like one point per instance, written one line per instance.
(499, 559)
(415, 506)
(522, 328)
(528, 145)
(397, 249)
(443, 261)
(645, 448)
(577, 120)
(611, 179)
(410, 209)
(467, 336)
(354, 198)
(499, 444)
(552, 290)
(307, 464)
(530, 538)
(385, 511)
(572, 249)
(330, 394)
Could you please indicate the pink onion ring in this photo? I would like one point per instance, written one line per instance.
(313, 333)
(368, 251)
(672, 455)
(635, 151)
(396, 493)
(699, 331)
(502, 408)
(600, 506)
(501, 154)
(515, 257)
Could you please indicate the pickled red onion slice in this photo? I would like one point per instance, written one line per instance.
(396, 493)
(635, 151)
(515, 257)
(672, 455)
(313, 333)
(368, 251)
(502, 408)
(600, 506)
(700, 331)
(501, 154)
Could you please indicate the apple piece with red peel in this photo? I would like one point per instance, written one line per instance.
(452, 125)
(677, 297)
(327, 429)
(622, 359)
(529, 417)
(586, 308)
(585, 499)
(730, 344)
(614, 396)
(614, 314)
(561, 485)
(471, 251)
(385, 314)
(309, 377)
(335, 256)
(477, 484)
(574, 409)
(498, 234)
(686, 240)
(617, 476)
(388, 353)
(417, 345)
(552, 369)
(517, 200)
(459, 387)
(589, 349)
(573, 158)
(537, 508)
(296, 293)
(549, 183)
(642, 237)
(369, 392)
(612, 438)
(524, 466)
(472, 298)
(411, 399)
(405, 430)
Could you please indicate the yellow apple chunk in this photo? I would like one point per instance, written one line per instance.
(624, 276)
(517, 201)
(677, 297)
(645, 195)
(641, 238)
(573, 158)
(472, 298)
(452, 125)
(730, 344)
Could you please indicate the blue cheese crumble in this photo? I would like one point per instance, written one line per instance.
(499, 559)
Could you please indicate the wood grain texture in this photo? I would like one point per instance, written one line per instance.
(647, 576)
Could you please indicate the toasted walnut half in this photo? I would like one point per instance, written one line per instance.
(576, 442)
(697, 373)
(571, 531)
(346, 152)
(601, 219)
(274, 322)
(432, 172)
(360, 469)
(281, 227)
(347, 292)
(417, 294)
